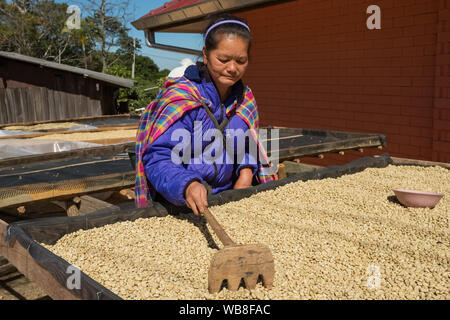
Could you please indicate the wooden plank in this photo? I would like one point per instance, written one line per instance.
(21, 104)
(52, 106)
(405, 161)
(65, 108)
(34, 104)
(71, 154)
(7, 269)
(57, 105)
(74, 112)
(44, 104)
(19, 257)
(3, 114)
(112, 141)
(90, 204)
(65, 189)
(294, 168)
(10, 103)
(84, 107)
(46, 95)
(294, 152)
(100, 117)
(65, 131)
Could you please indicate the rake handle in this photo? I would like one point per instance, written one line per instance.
(220, 232)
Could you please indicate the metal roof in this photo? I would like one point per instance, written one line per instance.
(172, 5)
(186, 16)
(121, 82)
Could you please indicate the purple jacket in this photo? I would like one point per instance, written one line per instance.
(169, 179)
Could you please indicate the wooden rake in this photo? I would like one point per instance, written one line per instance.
(236, 262)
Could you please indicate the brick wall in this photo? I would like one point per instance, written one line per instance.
(441, 114)
(314, 64)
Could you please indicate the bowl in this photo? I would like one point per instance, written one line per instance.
(417, 199)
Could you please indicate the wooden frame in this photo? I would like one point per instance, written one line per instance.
(19, 257)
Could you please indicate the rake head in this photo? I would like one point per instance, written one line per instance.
(247, 262)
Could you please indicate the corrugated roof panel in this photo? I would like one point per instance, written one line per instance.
(171, 5)
(210, 7)
(192, 11)
(177, 15)
(85, 72)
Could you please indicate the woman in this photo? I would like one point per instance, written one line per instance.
(210, 96)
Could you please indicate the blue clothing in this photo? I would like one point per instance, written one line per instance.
(170, 179)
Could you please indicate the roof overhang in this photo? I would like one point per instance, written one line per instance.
(191, 19)
(117, 81)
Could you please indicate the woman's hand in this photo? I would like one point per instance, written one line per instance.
(245, 179)
(196, 197)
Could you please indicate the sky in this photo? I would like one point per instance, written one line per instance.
(164, 59)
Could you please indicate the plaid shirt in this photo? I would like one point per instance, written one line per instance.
(179, 96)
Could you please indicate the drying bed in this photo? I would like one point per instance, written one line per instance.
(26, 183)
(31, 234)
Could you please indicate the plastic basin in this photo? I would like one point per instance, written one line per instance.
(417, 199)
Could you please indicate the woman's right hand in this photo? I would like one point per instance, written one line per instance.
(196, 197)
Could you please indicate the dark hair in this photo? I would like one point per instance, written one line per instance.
(212, 41)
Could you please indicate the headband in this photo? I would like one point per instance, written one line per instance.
(226, 21)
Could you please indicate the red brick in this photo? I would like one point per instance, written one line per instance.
(426, 18)
(441, 146)
(403, 3)
(419, 9)
(403, 42)
(388, 129)
(444, 14)
(426, 132)
(409, 150)
(403, 21)
(442, 157)
(441, 124)
(444, 36)
(421, 101)
(421, 122)
(442, 103)
(445, 136)
(403, 62)
(412, 52)
(443, 59)
(426, 153)
(445, 115)
(399, 139)
(415, 30)
(422, 142)
(401, 101)
(423, 81)
(416, 112)
(431, 28)
(425, 40)
(412, 71)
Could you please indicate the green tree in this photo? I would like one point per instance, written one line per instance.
(37, 28)
(109, 31)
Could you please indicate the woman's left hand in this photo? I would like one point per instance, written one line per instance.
(245, 179)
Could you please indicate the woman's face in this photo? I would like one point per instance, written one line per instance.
(228, 62)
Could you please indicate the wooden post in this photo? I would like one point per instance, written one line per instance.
(282, 171)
